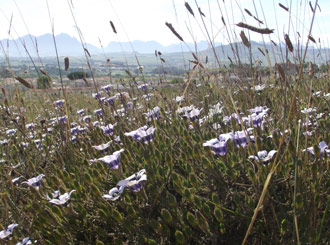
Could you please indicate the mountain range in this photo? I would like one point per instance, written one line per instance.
(43, 46)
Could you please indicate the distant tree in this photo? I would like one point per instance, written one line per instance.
(77, 75)
(44, 82)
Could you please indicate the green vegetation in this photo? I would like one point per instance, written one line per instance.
(44, 82)
(77, 75)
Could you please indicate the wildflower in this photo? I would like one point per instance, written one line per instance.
(87, 118)
(218, 147)
(62, 199)
(143, 87)
(102, 146)
(134, 182)
(81, 112)
(153, 114)
(108, 129)
(193, 114)
(259, 109)
(95, 123)
(264, 156)
(7, 232)
(96, 95)
(59, 103)
(112, 160)
(143, 134)
(259, 87)
(30, 126)
(11, 131)
(98, 112)
(308, 110)
(36, 181)
(25, 241)
(179, 98)
(106, 87)
(323, 148)
(14, 181)
(114, 193)
(111, 100)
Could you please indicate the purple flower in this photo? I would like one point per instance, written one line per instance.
(112, 160)
(108, 129)
(218, 147)
(36, 181)
(134, 182)
(153, 114)
(87, 118)
(30, 126)
(143, 87)
(111, 100)
(323, 149)
(81, 112)
(106, 87)
(59, 103)
(143, 134)
(96, 95)
(98, 112)
(114, 193)
(7, 232)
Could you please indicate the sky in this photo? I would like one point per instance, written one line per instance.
(145, 19)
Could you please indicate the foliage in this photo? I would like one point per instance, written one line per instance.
(44, 82)
(77, 75)
(191, 196)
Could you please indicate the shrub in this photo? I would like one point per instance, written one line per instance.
(77, 75)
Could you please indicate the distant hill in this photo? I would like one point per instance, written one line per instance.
(70, 46)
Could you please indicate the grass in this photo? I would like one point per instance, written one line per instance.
(191, 195)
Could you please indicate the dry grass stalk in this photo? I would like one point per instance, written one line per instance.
(201, 13)
(261, 22)
(311, 70)
(280, 72)
(255, 29)
(283, 7)
(189, 8)
(87, 52)
(261, 51)
(248, 12)
(288, 42)
(169, 25)
(113, 27)
(310, 5)
(245, 40)
(311, 38)
(24, 82)
(223, 20)
(45, 73)
(66, 63)
(195, 56)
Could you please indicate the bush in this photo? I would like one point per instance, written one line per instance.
(78, 75)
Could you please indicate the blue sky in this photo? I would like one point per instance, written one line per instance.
(145, 19)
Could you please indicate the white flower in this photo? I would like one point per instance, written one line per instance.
(112, 160)
(62, 198)
(36, 181)
(264, 156)
(7, 232)
(134, 181)
(114, 193)
(102, 146)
